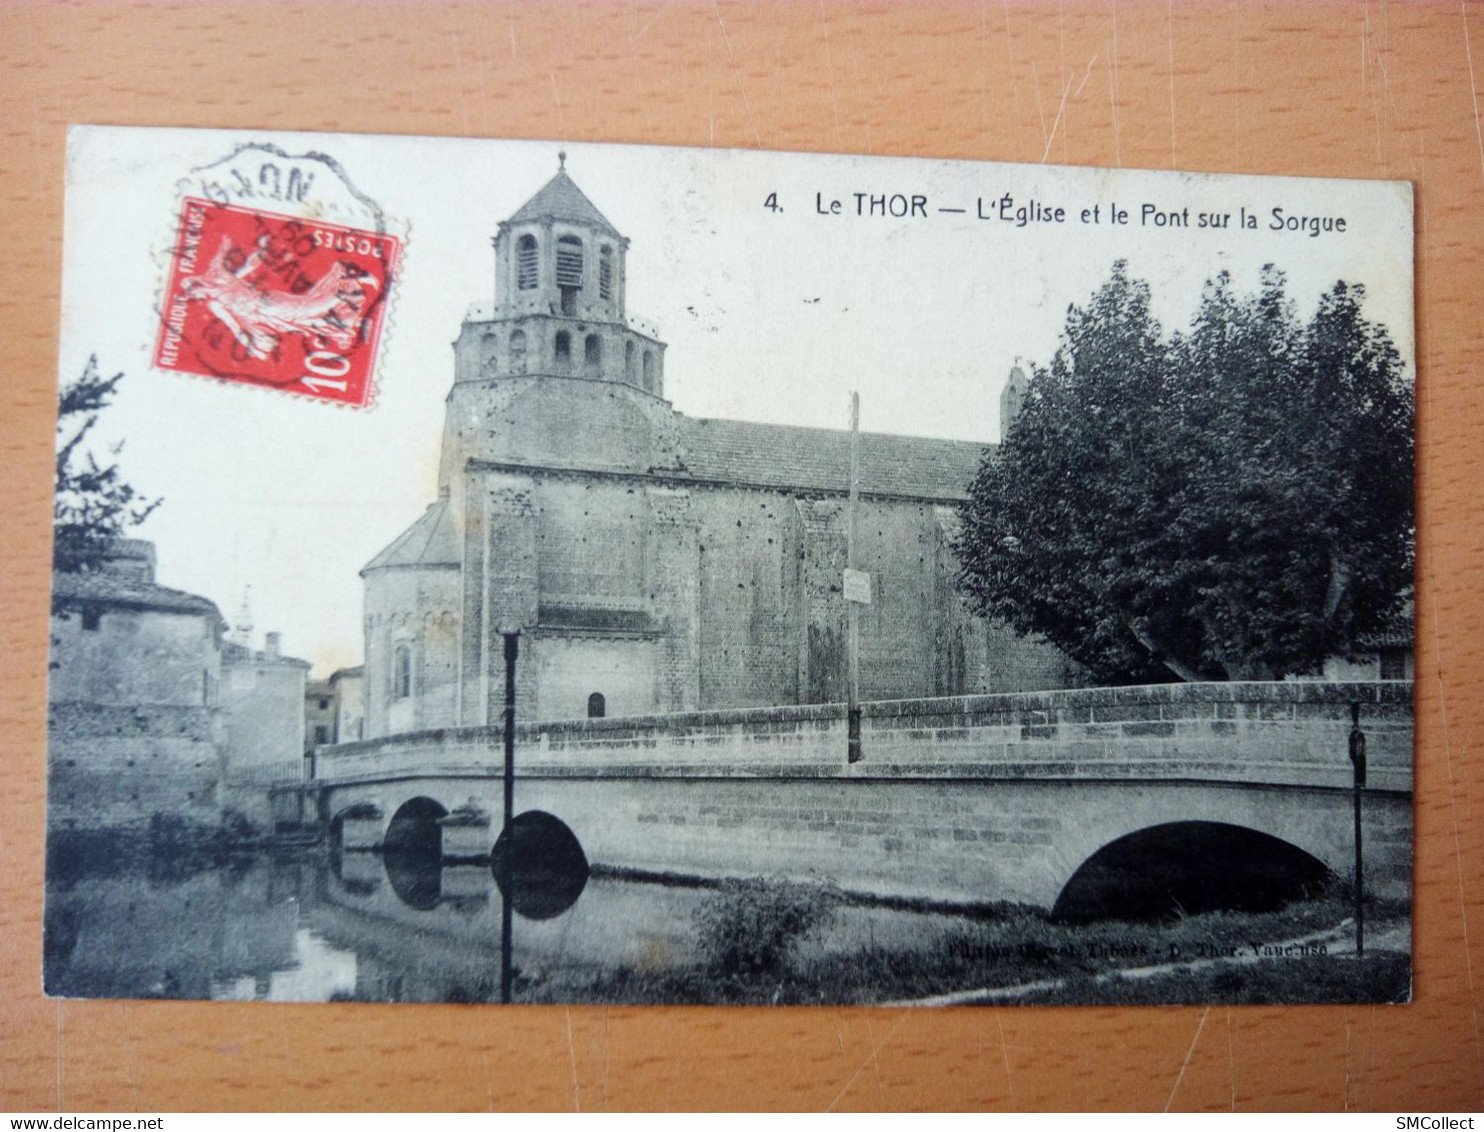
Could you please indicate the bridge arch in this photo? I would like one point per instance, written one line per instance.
(412, 852)
(414, 828)
(1189, 867)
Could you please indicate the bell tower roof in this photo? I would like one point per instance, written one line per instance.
(561, 199)
(561, 275)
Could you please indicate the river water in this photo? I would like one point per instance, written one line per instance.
(367, 927)
(410, 926)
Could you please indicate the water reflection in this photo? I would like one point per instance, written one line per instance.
(317, 972)
(133, 928)
(421, 881)
(359, 874)
(400, 926)
(416, 878)
(539, 865)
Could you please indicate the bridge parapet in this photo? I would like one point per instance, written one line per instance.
(1290, 733)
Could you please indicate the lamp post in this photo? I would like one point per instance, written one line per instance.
(512, 650)
(1357, 764)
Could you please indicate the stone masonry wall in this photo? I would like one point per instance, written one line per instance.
(116, 767)
(263, 715)
(569, 669)
(1284, 733)
(965, 799)
(749, 625)
(134, 656)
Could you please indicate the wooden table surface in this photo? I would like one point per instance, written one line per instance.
(1371, 90)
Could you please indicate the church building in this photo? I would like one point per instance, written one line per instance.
(652, 561)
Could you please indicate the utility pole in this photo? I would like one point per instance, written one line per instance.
(853, 599)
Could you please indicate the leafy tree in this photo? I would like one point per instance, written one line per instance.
(1231, 502)
(93, 506)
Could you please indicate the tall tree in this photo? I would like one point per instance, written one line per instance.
(94, 506)
(1233, 502)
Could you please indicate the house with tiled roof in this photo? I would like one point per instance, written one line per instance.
(653, 561)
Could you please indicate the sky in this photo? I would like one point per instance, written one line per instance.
(770, 314)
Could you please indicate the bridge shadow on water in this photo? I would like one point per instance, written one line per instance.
(537, 864)
(1187, 868)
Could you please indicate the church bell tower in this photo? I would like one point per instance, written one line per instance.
(1012, 399)
(559, 311)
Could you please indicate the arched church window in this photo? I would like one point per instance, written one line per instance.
(628, 362)
(401, 672)
(592, 353)
(527, 263)
(569, 262)
(518, 352)
(605, 272)
(563, 350)
(649, 371)
(569, 271)
(597, 706)
(491, 354)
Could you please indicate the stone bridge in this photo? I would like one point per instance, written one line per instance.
(1033, 798)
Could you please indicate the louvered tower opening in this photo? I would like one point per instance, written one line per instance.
(569, 271)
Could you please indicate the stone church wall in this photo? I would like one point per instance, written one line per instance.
(773, 621)
(899, 630)
(590, 544)
(674, 566)
(677, 598)
(569, 669)
(748, 600)
(1013, 663)
(978, 656)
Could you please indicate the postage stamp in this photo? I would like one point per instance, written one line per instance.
(266, 299)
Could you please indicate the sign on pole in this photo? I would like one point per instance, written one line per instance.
(858, 586)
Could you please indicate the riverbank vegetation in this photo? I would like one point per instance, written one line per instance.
(771, 943)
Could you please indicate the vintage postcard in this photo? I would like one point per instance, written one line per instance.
(536, 572)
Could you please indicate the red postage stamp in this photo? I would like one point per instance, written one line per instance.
(280, 301)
